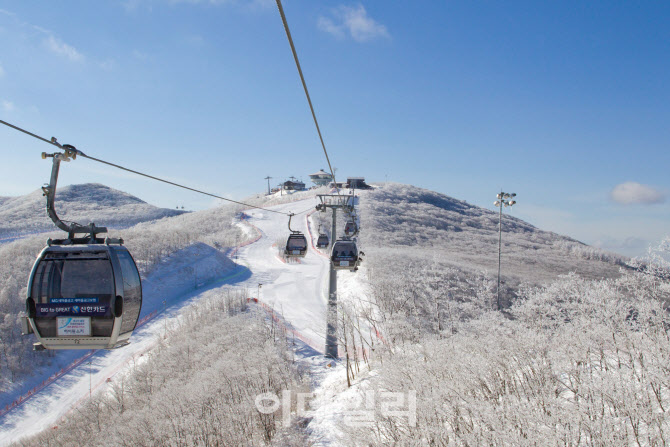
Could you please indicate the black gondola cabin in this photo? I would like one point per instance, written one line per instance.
(322, 241)
(350, 228)
(83, 296)
(296, 246)
(345, 255)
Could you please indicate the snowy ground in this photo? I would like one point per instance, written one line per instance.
(297, 291)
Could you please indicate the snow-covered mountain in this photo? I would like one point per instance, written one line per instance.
(528, 375)
(417, 310)
(408, 222)
(85, 203)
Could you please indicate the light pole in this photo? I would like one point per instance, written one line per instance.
(503, 199)
(268, 179)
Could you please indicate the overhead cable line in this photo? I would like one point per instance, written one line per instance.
(81, 154)
(304, 86)
(303, 212)
(180, 186)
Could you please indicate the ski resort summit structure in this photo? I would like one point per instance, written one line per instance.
(321, 178)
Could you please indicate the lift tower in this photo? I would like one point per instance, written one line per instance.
(334, 202)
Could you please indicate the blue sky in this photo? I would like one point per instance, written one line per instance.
(566, 103)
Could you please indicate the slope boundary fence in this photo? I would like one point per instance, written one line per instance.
(279, 321)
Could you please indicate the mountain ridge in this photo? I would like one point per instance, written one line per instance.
(82, 203)
(422, 223)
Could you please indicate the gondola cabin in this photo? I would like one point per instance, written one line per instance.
(322, 241)
(83, 296)
(350, 228)
(345, 255)
(296, 246)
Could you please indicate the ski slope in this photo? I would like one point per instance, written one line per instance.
(297, 291)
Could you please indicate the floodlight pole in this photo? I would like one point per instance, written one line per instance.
(503, 199)
(268, 179)
(499, 251)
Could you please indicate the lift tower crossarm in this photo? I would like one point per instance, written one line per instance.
(335, 201)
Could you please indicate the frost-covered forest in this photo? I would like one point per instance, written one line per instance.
(578, 362)
(151, 243)
(197, 389)
(579, 354)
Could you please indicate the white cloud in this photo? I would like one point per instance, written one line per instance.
(40, 29)
(194, 40)
(327, 25)
(630, 193)
(353, 21)
(7, 106)
(131, 5)
(63, 49)
(108, 64)
(38, 38)
(8, 13)
(629, 246)
(137, 54)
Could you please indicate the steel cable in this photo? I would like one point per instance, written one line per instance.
(80, 153)
(304, 86)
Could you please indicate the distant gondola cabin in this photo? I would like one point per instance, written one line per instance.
(345, 256)
(296, 246)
